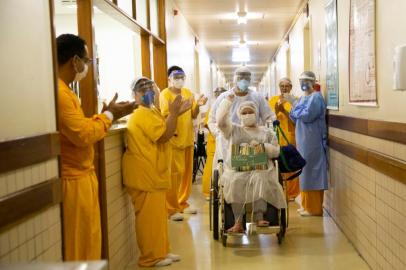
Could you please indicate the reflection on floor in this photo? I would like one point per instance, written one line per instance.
(310, 243)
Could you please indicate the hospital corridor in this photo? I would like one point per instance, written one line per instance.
(202, 134)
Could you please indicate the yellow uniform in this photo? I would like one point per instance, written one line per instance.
(208, 167)
(81, 211)
(147, 177)
(312, 201)
(182, 152)
(288, 128)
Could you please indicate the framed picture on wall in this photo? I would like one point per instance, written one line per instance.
(332, 83)
(362, 53)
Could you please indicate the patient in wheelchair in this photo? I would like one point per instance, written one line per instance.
(257, 184)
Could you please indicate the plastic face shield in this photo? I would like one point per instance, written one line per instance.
(144, 86)
(178, 75)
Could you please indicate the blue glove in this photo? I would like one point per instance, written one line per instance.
(276, 123)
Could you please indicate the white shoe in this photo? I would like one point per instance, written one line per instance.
(164, 262)
(304, 213)
(190, 211)
(177, 217)
(301, 209)
(173, 257)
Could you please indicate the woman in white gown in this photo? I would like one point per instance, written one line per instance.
(257, 186)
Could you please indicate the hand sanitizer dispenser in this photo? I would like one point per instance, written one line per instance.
(399, 64)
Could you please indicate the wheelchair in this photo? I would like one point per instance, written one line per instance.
(199, 155)
(222, 218)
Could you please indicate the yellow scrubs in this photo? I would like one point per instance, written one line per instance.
(147, 177)
(208, 167)
(312, 201)
(81, 212)
(288, 128)
(182, 152)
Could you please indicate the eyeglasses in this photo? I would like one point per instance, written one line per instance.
(87, 60)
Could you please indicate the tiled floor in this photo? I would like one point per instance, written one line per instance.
(310, 243)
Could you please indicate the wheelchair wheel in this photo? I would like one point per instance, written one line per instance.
(224, 240)
(283, 221)
(215, 205)
(280, 237)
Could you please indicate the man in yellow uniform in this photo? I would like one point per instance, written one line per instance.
(182, 143)
(210, 149)
(281, 105)
(146, 173)
(81, 212)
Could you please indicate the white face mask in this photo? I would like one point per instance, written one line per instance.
(248, 120)
(80, 75)
(178, 83)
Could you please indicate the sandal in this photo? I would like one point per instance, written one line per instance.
(234, 230)
(262, 223)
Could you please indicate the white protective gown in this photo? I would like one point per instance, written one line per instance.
(250, 186)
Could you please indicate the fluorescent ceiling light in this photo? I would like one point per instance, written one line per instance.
(69, 3)
(242, 20)
(242, 17)
(241, 54)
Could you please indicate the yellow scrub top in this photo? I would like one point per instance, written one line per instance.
(81, 213)
(78, 133)
(146, 163)
(211, 140)
(286, 124)
(184, 135)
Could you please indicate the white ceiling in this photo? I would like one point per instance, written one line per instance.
(215, 23)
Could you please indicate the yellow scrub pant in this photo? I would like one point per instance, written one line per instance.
(182, 171)
(208, 168)
(312, 201)
(81, 218)
(292, 186)
(151, 225)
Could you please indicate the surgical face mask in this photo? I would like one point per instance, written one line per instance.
(248, 120)
(243, 85)
(178, 83)
(148, 98)
(80, 75)
(305, 85)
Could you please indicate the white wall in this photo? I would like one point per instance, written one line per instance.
(181, 52)
(66, 24)
(27, 108)
(390, 29)
(26, 71)
(390, 32)
(119, 52)
(180, 43)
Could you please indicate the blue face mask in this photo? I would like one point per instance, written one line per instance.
(148, 98)
(305, 86)
(243, 85)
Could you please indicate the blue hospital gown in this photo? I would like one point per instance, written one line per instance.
(309, 114)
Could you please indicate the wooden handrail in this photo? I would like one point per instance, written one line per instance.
(22, 204)
(393, 168)
(391, 131)
(23, 152)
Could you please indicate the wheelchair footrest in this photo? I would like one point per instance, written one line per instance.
(267, 230)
